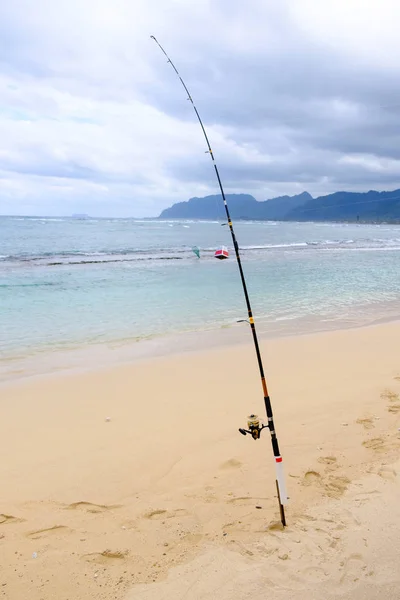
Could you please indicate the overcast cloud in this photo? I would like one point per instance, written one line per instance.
(295, 95)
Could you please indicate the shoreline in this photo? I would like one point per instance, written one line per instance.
(301, 278)
(110, 354)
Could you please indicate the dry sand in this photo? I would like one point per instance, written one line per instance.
(160, 500)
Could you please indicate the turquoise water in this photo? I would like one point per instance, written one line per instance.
(69, 282)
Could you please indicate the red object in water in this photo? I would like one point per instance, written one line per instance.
(221, 253)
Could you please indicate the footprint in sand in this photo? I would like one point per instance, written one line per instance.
(90, 507)
(106, 557)
(6, 519)
(244, 500)
(210, 499)
(306, 517)
(354, 567)
(231, 464)
(389, 395)
(40, 533)
(367, 423)
(378, 444)
(394, 398)
(154, 514)
(327, 460)
(336, 486)
(311, 478)
(387, 473)
(165, 514)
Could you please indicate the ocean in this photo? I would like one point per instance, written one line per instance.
(68, 283)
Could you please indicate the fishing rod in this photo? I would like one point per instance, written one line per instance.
(253, 423)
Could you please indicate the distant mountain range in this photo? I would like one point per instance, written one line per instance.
(371, 206)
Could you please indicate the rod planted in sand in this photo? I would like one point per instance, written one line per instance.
(280, 480)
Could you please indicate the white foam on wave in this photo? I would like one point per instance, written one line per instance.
(272, 246)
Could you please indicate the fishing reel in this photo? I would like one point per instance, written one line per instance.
(254, 427)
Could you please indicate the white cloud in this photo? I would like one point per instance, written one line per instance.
(92, 119)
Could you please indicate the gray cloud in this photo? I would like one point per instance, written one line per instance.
(295, 95)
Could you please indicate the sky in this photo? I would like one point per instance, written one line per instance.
(295, 95)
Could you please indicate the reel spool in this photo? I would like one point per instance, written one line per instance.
(254, 428)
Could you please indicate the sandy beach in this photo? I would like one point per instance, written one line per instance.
(133, 482)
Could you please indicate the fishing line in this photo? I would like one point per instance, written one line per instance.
(253, 423)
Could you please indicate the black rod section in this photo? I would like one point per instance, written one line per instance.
(274, 440)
